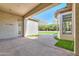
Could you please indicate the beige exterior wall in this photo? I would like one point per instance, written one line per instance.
(8, 25)
(65, 36)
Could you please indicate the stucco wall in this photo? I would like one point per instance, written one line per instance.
(76, 12)
(65, 36)
(8, 25)
(31, 27)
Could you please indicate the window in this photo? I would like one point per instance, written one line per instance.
(67, 23)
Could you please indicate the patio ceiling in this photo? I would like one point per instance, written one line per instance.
(24, 9)
(17, 8)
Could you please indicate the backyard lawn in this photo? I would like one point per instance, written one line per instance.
(47, 32)
(66, 44)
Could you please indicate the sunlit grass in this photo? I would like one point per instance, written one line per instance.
(47, 32)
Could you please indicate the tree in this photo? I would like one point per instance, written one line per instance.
(49, 27)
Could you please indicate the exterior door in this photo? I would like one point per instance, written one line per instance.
(20, 27)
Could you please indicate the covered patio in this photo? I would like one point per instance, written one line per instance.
(41, 46)
(13, 39)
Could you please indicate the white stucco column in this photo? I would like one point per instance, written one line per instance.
(30, 27)
(74, 25)
(59, 24)
(25, 28)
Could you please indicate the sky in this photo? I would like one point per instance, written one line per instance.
(49, 15)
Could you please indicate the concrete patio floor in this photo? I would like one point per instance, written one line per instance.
(41, 46)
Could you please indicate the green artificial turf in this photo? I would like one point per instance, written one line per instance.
(66, 44)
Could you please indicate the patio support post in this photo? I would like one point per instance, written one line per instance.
(76, 15)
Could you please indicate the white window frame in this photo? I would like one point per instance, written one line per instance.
(62, 21)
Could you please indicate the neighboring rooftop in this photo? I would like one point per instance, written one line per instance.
(66, 9)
